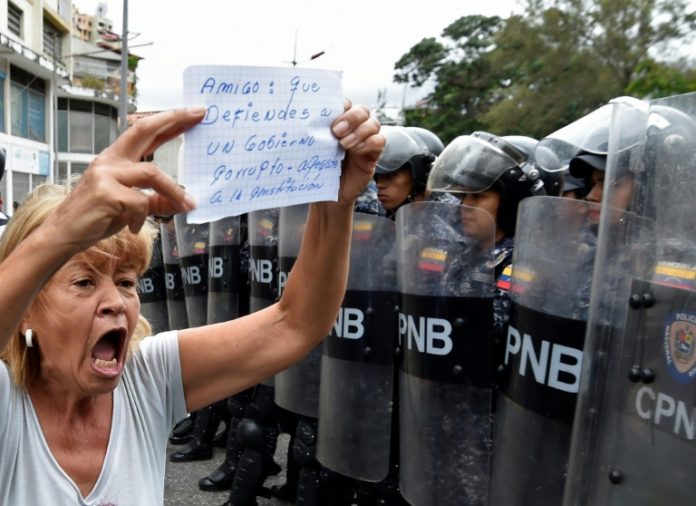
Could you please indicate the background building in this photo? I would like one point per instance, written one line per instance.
(59, 84)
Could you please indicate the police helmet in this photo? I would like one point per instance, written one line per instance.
(543, 181)
(483, 161)
(584, 164)
(671, 159)
(589, 134)
(432, 141)
(405, 150)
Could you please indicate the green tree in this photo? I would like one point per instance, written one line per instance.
(538, 71)
(460, 73)
(565, 58)
(549, 78)
(654, 79)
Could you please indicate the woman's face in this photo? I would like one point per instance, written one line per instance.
(394, 188)
(476, 224)
(83, 322)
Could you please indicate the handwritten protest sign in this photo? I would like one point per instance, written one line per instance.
(265, 140)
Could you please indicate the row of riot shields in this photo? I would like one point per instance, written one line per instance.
(412, 351)
(198, 274)
(598, 379)
(195, 274)
(415, 327)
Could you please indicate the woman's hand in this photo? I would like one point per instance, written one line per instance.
(108, 197)
(359, 136)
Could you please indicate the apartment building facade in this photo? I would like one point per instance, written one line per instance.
(58, 93)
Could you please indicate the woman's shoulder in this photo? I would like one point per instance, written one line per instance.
(157, 351)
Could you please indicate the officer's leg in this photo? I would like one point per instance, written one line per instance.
(220, 438)
(183, 430)
(221, 477)
(249, 470)
(288, 491)
(313, 478)
(258, 435)
(200, 446)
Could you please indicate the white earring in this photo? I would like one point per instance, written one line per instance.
(28, 335)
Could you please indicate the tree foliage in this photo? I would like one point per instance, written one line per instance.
(538, 71)
(461, 72)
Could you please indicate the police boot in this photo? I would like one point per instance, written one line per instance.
(267, 415)
(221, 478)
(304, 449)
(249, 473)
(183, 430)
(200, 446)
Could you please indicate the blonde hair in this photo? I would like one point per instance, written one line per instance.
(135, 250)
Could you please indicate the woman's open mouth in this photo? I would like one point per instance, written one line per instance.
(107, 353)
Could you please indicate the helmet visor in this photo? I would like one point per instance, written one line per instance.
(398, 150)
(589, 134)
(468, 165)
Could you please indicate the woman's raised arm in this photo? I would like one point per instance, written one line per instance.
(219, 360)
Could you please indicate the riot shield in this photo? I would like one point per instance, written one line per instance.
(152, 291)
(357, 365)
(263, 261)
(446, 278)
(263, 258)
(297, 387)
(542, 355)
(635, 423)
(176, 305)
(224, 270)
(192, 240)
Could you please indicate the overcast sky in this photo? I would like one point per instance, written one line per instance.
(363, 38)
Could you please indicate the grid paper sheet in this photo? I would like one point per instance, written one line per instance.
(265, 141)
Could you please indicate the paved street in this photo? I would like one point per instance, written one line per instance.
(181, 483)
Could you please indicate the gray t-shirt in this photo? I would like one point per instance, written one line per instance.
(148, 401)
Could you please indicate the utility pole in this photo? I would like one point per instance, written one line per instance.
(54, 176)
(123, 91)
(294, 61)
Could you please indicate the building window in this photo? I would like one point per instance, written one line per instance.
(27, 105)
(62, 176)
(81, 127)
(23, 184)
(52, 42)
(14, 19)
(85, 127)
(68, 172)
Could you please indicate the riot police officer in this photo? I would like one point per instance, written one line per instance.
(633, 433)
(539, 370)
(403, 168)
(448, 287)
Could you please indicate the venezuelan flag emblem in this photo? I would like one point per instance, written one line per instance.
(362, 230)
(675, 275)
(265, 227)
(432, 260)
(503, 282)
